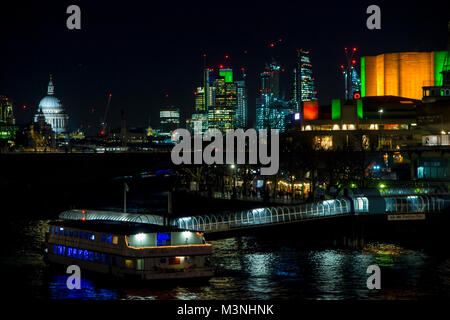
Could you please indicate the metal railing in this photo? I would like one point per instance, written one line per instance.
(415, 203)
(261, 216)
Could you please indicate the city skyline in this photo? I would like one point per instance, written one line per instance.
(142, 81)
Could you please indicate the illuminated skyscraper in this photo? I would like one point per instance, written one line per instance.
(305, 81)
(8, 128)
(222, 114)
(169, 119)
(208, 87)
(198, 123)
(269, 93)
(200, 99)
(356, 82)
(6, 111)
(241, 111)
(295, 100)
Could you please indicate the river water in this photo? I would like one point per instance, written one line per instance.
(246, 268)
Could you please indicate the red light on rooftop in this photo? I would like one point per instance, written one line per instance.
(342, 66)
(83, 211)
(354, 61)
(24, 107)
(221, 66)
(195, 92)
(110, 95)
(227, 56)
(166, 96)
(242, 69)
(272, 45)
(102, 132)
(354, 49)
(204, 54)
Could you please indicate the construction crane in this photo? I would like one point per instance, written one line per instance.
(104, 124)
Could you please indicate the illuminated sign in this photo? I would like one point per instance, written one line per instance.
(297, 116)
(356, 95)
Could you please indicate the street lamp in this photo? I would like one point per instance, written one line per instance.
(380, 111)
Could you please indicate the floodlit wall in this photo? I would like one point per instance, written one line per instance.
(399, 74)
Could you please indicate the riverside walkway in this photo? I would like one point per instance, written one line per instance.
(401, 206)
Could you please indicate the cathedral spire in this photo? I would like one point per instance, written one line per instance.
(51, 88)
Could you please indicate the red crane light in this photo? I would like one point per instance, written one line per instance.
(24, 107)
(227, 56)
(272, 45)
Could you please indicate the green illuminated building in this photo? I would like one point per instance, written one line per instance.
(8, 128)
(222, 114)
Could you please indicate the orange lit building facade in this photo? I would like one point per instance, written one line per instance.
(401, 74)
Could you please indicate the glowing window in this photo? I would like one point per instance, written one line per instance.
(174, 260)
(163, 239)
(115, 240)
(129, 264)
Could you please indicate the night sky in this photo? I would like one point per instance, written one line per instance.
(141, 51)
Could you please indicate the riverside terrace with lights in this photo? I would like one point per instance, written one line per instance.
(132, 250)
(372, 123)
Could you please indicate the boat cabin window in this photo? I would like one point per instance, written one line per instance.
(129, 264)
(163, 239)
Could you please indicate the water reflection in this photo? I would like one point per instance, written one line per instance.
(246, 268)
(58, 290)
